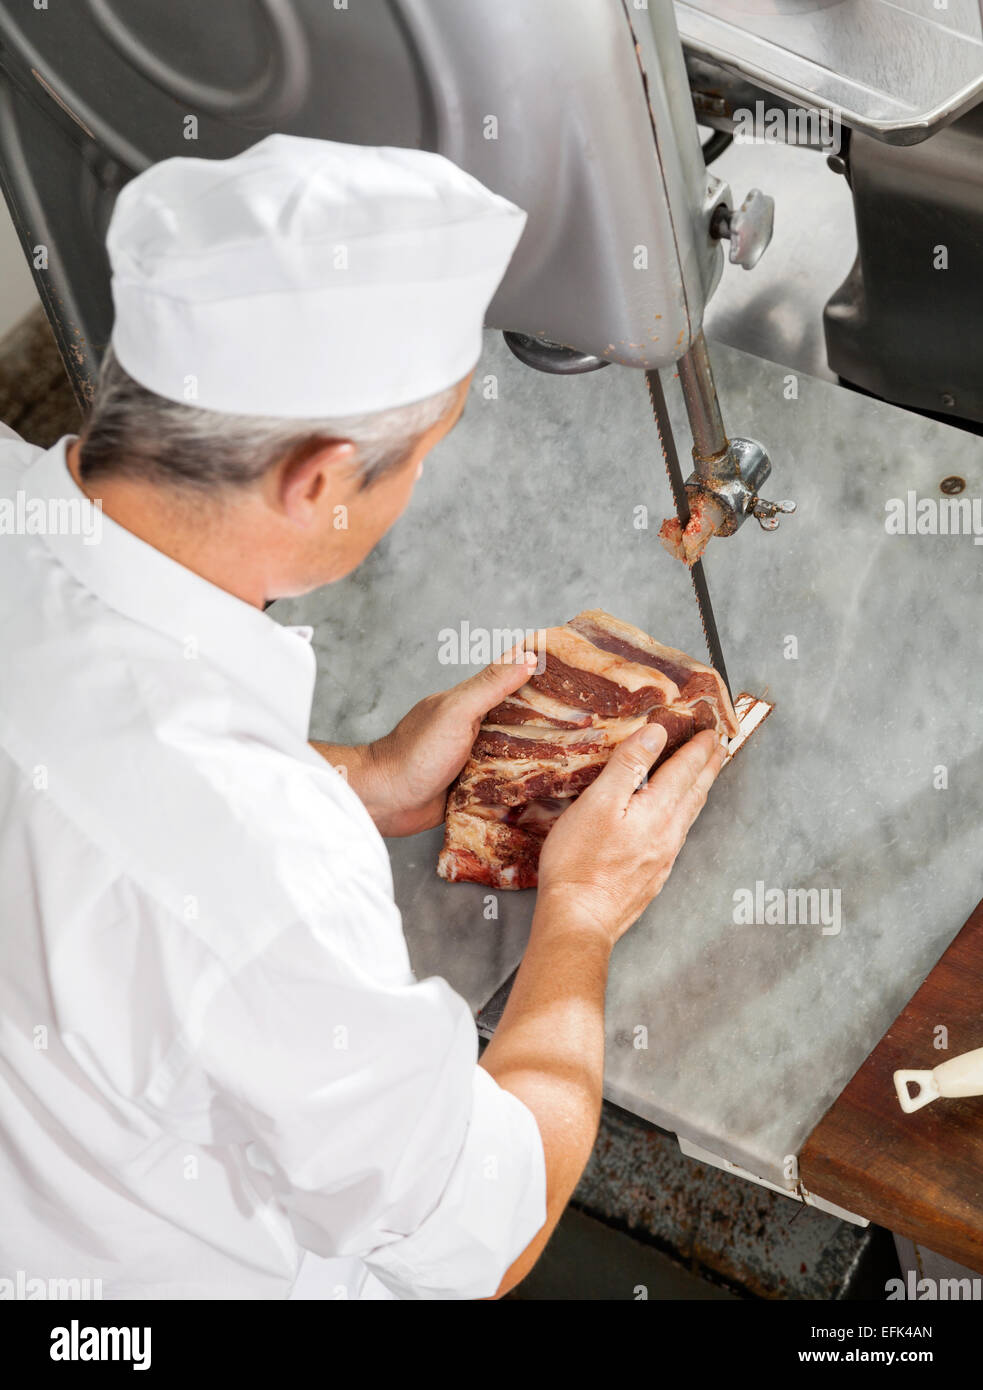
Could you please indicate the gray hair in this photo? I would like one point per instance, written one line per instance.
(130, 431)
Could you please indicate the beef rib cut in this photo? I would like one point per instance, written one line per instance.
(597, 681)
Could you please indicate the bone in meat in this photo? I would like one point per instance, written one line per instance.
(688, 543)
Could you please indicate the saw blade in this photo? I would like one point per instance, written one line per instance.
(681, 499)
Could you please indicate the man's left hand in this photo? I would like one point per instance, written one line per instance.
(403, 778)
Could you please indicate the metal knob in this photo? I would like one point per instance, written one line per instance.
(747, 228)
(767, 513)
(732, 481)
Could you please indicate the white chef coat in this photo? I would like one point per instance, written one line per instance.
(214, 1056)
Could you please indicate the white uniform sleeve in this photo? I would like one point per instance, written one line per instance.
(360, 1108)
(491, 1207)
(7, 433)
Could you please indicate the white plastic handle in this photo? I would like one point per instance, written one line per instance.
(962, 1076)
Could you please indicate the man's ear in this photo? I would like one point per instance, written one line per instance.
(322, 470)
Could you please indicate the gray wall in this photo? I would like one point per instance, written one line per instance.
(17, 293)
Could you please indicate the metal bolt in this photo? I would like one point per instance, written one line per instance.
(948, 399)
(709, 103)
(952, 485)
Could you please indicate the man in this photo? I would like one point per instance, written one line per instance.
(218, 1074)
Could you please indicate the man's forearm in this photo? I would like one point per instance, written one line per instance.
(548, 1050)
(360, 768)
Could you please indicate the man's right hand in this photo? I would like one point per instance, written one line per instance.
(609, 854)
(603, 862)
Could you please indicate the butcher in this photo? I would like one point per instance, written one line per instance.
(219, 1076)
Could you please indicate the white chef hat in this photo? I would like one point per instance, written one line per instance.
(304, 278)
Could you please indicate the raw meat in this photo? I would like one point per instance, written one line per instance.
(706, 516)
(598, 681)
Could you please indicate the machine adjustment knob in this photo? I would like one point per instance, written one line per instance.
(767, 513)
(747, 228)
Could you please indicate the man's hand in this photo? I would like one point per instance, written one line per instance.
(403, 778)
(604, 860)
(609, 854)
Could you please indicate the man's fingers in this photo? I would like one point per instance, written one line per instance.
(690, 771)
(630, 763)
(482, 692)
(692, 803)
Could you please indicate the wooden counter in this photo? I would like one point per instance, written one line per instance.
(921, 1174)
